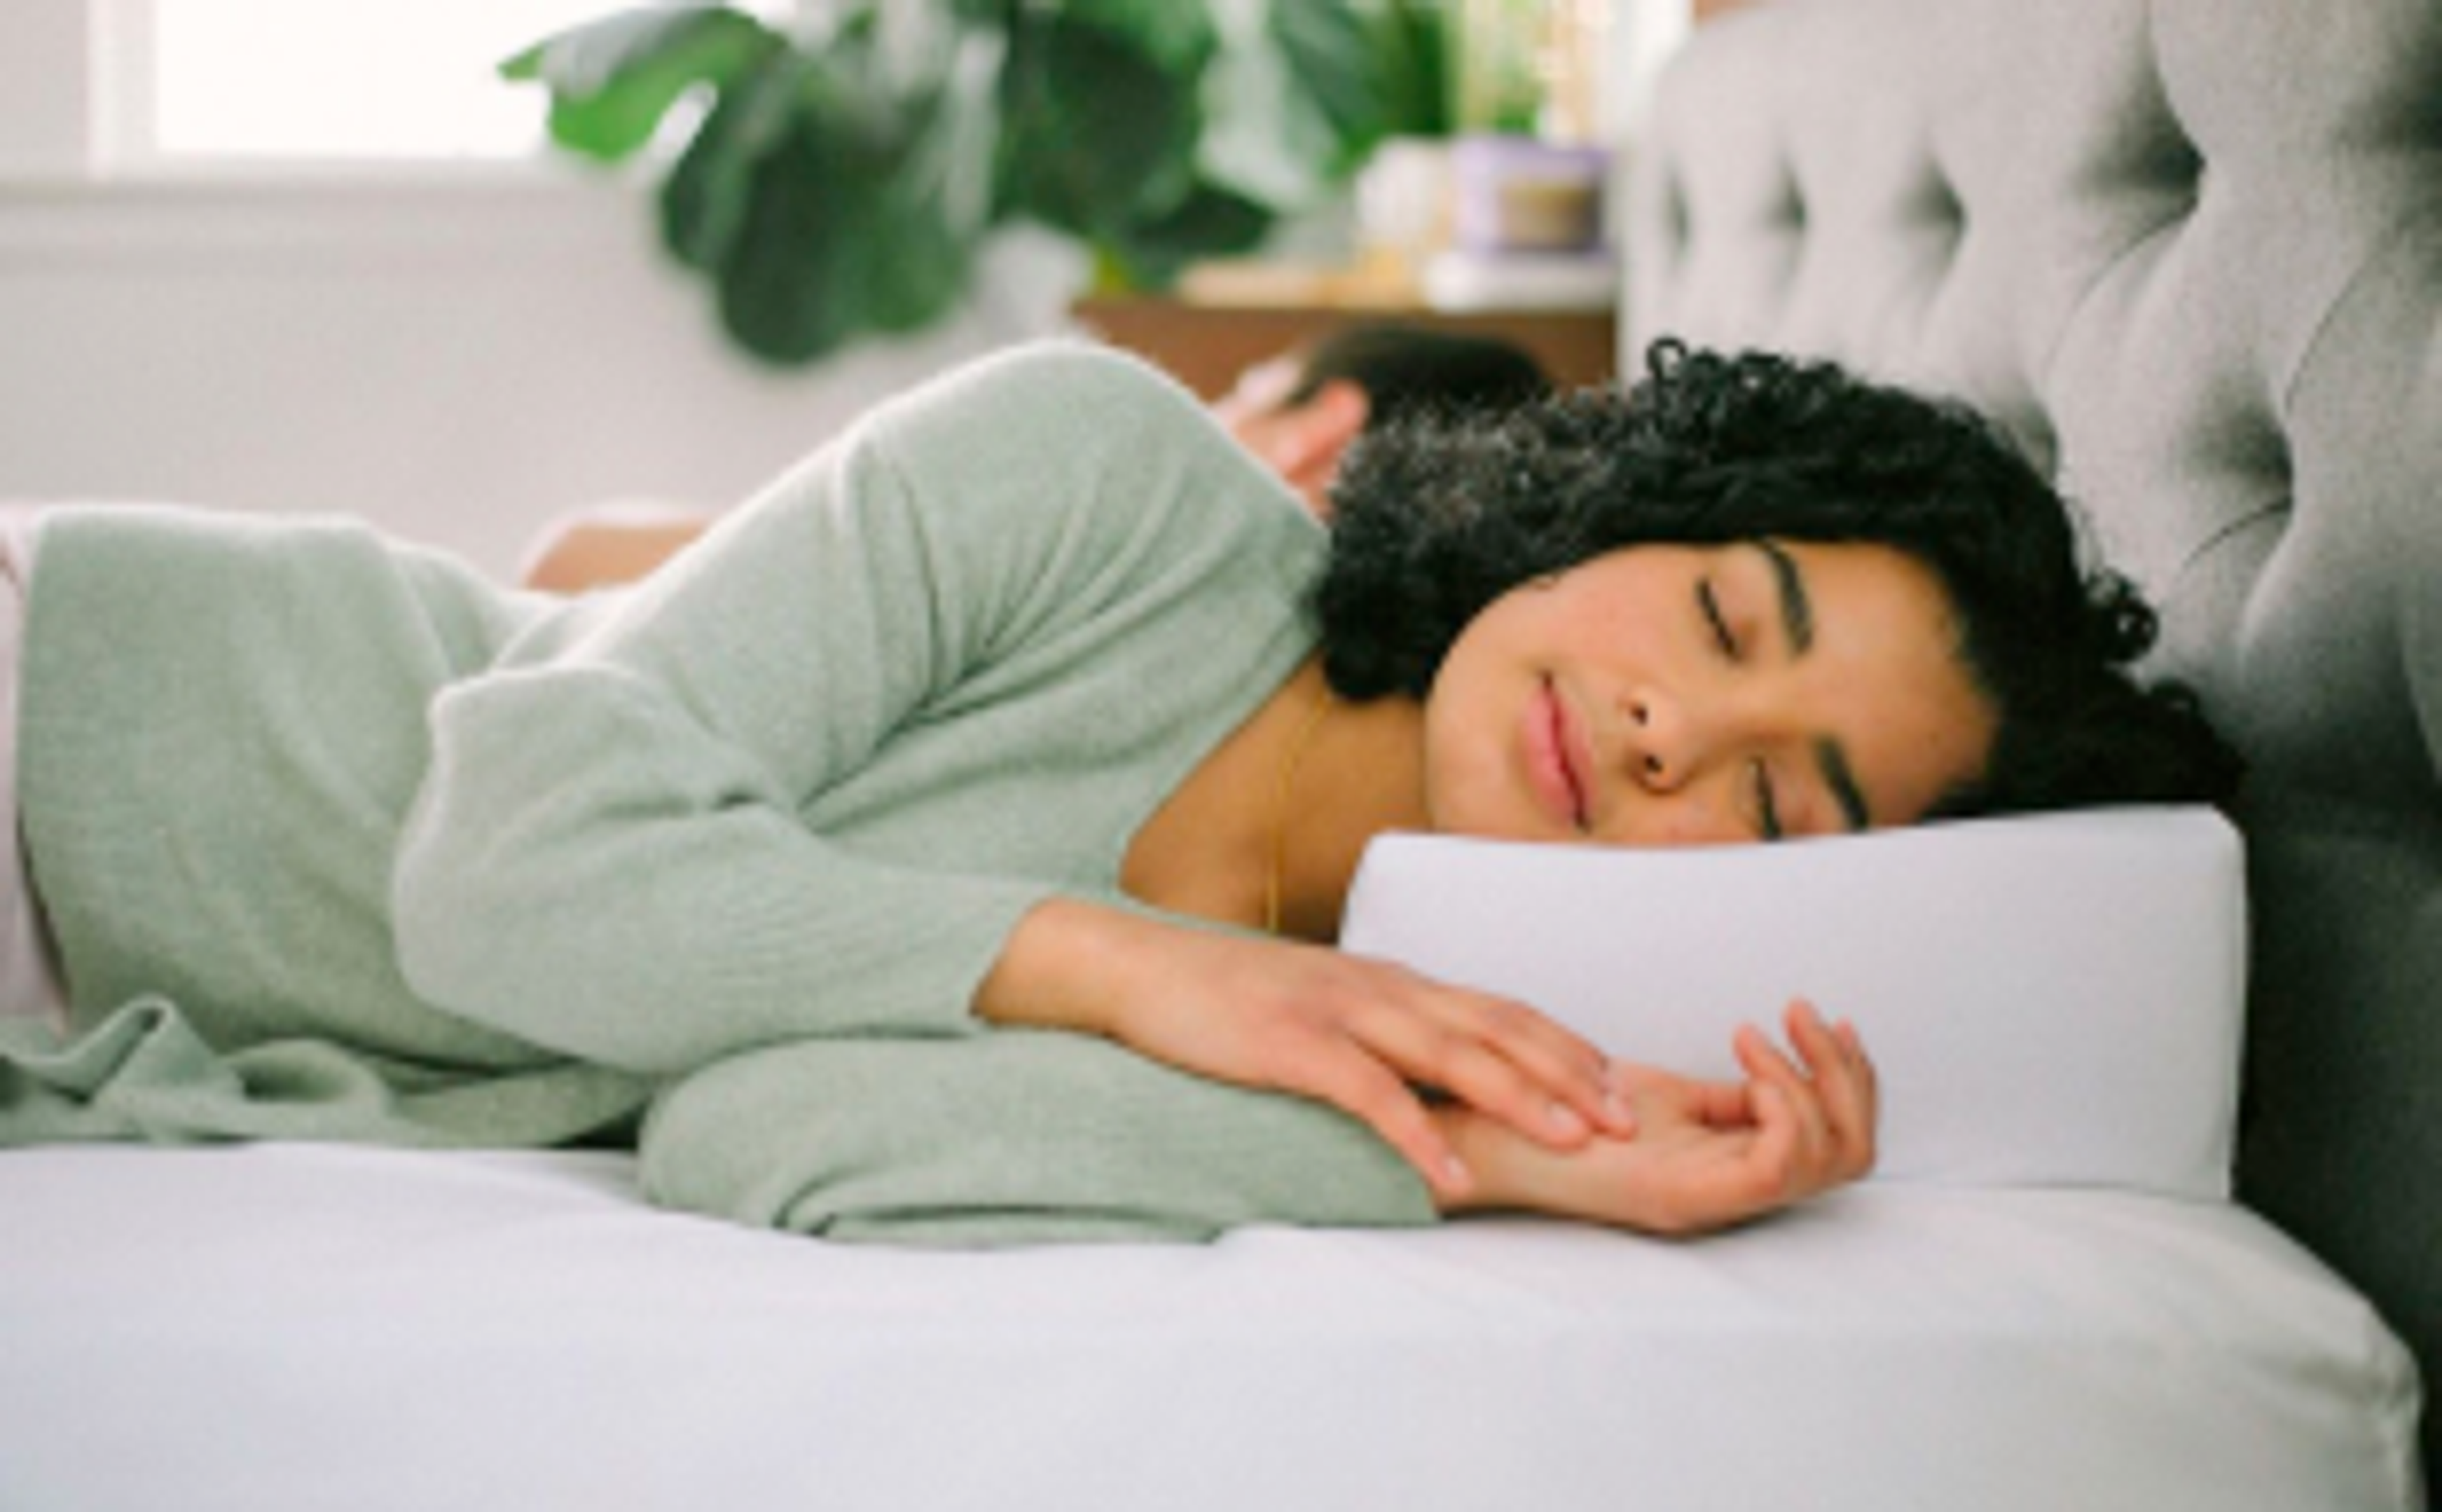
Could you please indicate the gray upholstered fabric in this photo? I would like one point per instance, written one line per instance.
(2191, 252)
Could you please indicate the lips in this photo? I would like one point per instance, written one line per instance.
(1555, 765)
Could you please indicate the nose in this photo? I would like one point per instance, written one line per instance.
(1662, 746)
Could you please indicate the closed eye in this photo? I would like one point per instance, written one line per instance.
(1715, 619)
(1767, 803)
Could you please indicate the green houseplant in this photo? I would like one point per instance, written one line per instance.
(835, 176)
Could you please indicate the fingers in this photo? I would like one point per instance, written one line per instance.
(1775, 1160)
(1717, 1105)
(1503, 1058)
(1807, 1124)
(1851, 1093)
(1827, 1112)
(1354, 1081)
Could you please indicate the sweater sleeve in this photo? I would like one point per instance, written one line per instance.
(607, 856)
(1013, 1137)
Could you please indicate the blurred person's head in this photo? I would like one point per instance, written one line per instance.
(1300, 412)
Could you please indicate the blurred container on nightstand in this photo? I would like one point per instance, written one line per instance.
(1528, 174)
(1403, 215)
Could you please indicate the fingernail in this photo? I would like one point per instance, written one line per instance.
(1615, 1108)
(1564, 1119)
(1455, 1175)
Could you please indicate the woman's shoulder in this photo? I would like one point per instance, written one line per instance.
(1054, 400)
(1058, 375)
(1070, 430)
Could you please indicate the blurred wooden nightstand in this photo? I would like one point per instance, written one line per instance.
(1206, 345)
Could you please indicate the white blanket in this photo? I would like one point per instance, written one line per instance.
(273, 1326)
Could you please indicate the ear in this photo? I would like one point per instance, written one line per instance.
(1322, 428)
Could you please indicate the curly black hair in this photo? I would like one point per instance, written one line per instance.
(1434, 521)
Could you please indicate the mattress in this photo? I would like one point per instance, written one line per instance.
(277, 1326)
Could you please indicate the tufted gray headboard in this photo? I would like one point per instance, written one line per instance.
(2191, 252)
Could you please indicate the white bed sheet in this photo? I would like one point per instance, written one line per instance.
(273, 1327)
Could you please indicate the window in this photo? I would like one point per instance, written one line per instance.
(189, 82)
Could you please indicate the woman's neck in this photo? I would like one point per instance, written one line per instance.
(1361, 774)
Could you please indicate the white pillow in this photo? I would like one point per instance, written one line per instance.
(2049, 1000)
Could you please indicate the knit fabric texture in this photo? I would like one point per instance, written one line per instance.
(341, 840)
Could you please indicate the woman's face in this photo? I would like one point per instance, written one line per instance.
(1696, 695)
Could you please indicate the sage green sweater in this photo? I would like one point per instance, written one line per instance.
(340, 841)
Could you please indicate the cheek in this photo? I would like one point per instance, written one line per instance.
(1675, 821)
(1462, 782)
(1945, 745)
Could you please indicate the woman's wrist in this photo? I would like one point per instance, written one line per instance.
(1476, 1142)
(1508, 1173)
(1061, 968)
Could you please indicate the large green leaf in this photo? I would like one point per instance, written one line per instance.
(1413, 56)
(909, 263)
(1094, 133)
(841, 227)
(1212, 221)
(1174, 36)
(1293, 102)
(775, 284)
(709, 191)
(613, 80)
(1336, 67)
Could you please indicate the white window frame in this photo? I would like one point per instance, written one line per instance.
(79, 81)
(120, 68)
(80, 188)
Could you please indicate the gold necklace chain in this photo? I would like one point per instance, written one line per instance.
(1289, 764)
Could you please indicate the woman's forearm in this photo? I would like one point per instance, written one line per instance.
(1357, 1033)
(1007, 1139)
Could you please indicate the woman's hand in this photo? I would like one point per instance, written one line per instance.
(1707, 1154)
(1359, 1034)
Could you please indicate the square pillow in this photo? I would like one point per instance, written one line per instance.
(2055, 1000)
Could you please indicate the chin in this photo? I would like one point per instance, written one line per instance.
(1490, 819)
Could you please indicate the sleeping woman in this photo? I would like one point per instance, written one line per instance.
(949, 847)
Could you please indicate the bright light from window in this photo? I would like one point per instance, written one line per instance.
(347, 78)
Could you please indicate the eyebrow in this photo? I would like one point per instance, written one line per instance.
(1797, 604)
(1798, 623)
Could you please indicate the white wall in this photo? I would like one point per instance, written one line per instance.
(456, 359)
(47, 100)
